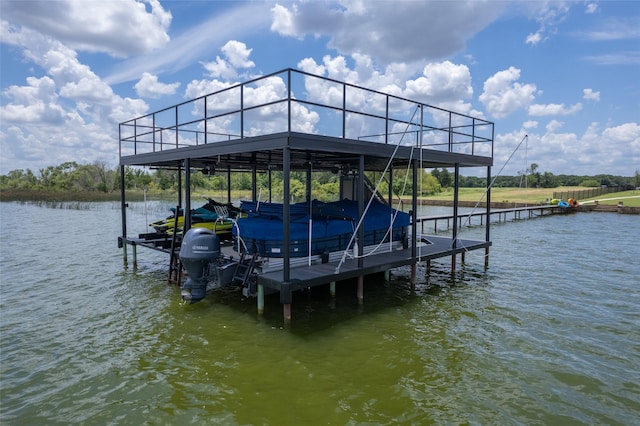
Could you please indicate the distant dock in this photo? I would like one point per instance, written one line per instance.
(503, 215)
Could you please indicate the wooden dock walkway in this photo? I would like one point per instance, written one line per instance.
(465, 219)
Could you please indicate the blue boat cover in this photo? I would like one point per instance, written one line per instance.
(333, 225)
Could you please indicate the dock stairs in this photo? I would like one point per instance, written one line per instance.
(175, 264)
(244, 270)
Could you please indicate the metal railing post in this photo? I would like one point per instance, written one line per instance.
(241, 111)
(344, 111)
(289, 100)
(177, 138)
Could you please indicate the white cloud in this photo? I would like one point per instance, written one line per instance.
(591, 8)
(553, 126)
(614, 28)
(625, 135)
(548, 15)
(503, 95)
(194, 45)
(258, 121)
(197, 88)
(530, 124)
(616, 58)
(441, 82)
(68, 114)
(283, 20)
(220, 68)
(87, 90)
(590, 95)
(35, 103)
(235, 56)
(554, 109)
(444, 84)
(389, 30)
(534, 38)
(150, 87)
(119, 28)
(614, 150)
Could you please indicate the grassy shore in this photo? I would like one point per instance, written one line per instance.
(535, 195)
(503, 195)
(628, 198)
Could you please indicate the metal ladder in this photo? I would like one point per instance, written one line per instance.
(244, 269)
(175, 264)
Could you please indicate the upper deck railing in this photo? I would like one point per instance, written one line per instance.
(295, 101)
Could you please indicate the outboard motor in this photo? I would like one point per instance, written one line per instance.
(199, 248)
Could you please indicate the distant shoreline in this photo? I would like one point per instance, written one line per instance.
(75, 196)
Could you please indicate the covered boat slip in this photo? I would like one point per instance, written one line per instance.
(294, 121)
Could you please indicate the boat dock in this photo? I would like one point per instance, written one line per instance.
(503, 215)
(309, 125)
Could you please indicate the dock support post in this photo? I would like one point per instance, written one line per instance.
(260, 299)
(286, 298)
(453, 264)
(286, 310)
(123, 208)
(428, 266)
(387, 275)
(360, 290)
(134, 249)
(488, 227)
(413, 276)
(462, 257)
(486, 258)
(332, 288)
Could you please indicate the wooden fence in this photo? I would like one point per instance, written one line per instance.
(582, 194)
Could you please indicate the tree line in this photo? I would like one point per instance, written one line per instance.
(534, 178)
(100, 178)
(97, 177)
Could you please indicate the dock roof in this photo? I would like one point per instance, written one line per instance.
(324, 123)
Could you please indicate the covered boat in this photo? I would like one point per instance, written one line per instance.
(316, 226)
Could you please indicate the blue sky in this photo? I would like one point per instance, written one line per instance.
(565, 73)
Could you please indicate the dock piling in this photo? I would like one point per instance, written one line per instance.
(286, 309)
(260, 298)
(486, 258)
(135, 256)
(413, 276)
(360, 290)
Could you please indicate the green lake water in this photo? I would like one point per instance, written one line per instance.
(549, 334)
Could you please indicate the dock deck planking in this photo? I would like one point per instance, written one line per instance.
(324, 273)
